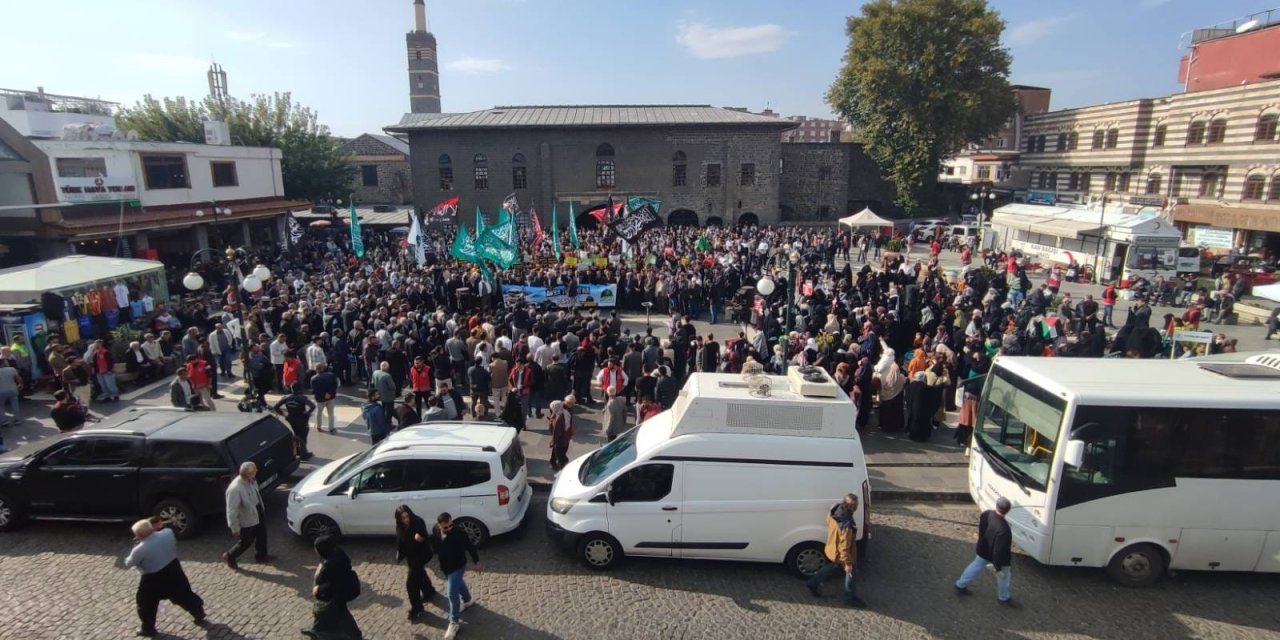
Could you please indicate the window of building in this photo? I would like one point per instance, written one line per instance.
(166, 172)
(1211, 185)
(1157, 138)
(224, 174)
(1254, 187)
(369, 175)
(481, 172)
(1109, 182)
(1099, 136)
(1040, 143)
(606, 170)
(1175, 184)
(519, 173)
(951, 171)
(1217, 130)
(824, 212)
(1124, 183)
(1113, 138)
(1053, 180)
(1086, 181)
(747, 174)
(1153, 185)
(1073, 141)
(984, 172)
(82, 167)
(1266, 129)
(1000, 143)
(964, 171)
(713, 175)
(1062, 142)
(1073, 181)
(1274, 192)
(1195, 133)
(1029, 143)
(446, 172)
(679, 169)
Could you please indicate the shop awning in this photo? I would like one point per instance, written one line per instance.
(26, 283)
(1068, 228)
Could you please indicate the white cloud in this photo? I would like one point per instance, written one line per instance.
(472, 65)
(160, 63)
(709, 43)
(1033, 31)
(244, 36)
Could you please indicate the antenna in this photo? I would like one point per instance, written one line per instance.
(218, 87)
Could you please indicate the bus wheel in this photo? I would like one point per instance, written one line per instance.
(1140, 565)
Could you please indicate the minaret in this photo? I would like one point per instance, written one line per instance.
(424, 72)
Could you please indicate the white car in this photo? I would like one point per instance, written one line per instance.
(927, 229)
(476, 472)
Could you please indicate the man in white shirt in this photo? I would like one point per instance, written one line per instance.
(222, 344)
(315, 353)
(278, 347)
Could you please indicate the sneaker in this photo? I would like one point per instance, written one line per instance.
(451, 632)
(1009, 603)
(963, 591)
(466, 604)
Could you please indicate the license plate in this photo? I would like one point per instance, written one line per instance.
(270, 479)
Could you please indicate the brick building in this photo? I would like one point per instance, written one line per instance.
(822, 182)
(382, 169)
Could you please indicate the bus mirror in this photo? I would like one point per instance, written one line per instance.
(1074, 454)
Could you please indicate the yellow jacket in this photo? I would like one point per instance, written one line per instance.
(842, 544)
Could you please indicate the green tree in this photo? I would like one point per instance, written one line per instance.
(920, 79)
(312, 166)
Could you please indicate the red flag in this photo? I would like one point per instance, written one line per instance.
(598, 214)
(537, 230)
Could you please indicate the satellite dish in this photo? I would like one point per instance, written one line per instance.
(132, 135)
(1248, 26)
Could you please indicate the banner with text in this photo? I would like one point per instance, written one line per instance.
(589, 295)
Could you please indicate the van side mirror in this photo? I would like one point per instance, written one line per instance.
(610, 495)
(1074, 453)
(352, 492)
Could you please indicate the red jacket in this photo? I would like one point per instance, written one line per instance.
(420, 380)
(521, 379)
(197, 373)
(292, 372)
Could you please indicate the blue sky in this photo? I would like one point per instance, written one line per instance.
(347, 60)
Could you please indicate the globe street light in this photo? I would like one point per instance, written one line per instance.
(766, 286)
(252, 284)
(193, 281)
(262, 273)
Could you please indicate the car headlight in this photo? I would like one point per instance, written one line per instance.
(294, 496)
(562, 505)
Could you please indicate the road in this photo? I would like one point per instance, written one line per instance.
(64, 580)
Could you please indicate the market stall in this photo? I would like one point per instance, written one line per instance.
(1122, 245)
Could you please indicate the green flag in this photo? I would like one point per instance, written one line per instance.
(357, 239)
(498, 243)
(555, 232)
(573, 228)
(464, 247)
(480, 227)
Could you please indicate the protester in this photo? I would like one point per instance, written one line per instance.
(841, 551)
(155, 557)
(246, 514)
(453, 546)
(413, 545)
(336, 585)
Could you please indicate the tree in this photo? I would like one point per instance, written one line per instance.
(920, 79)
(312, 166)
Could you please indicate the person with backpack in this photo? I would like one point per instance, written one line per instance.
(336, 584)
(413, 545)
(297, 409)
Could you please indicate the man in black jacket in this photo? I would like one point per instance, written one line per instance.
(336, 585)
(413, 544)
(994, 550)
(296, 409)
(452, 547)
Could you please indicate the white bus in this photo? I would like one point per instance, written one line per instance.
(1138, 466)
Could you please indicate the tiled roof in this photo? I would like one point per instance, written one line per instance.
(586, 116)
(391, 141)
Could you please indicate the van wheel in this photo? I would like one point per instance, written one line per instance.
(476, 532)
(179, 515)
(805, 559)
(316, 527)
(1140, 565)
(11, 514)
(599, 551)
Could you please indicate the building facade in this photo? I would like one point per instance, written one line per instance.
(1233, 53)
(382, 169)
(36, 114)
(28, 200)
(824, 181)
(813, 130)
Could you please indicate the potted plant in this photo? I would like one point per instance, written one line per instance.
(892, 249)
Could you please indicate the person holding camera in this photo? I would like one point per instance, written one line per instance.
(841, 551)
(155, 557)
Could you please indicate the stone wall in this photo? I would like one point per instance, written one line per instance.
(822, 182)
(394, 183)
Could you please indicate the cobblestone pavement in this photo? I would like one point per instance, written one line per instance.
(64, 580)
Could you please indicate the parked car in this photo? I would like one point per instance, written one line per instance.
(476, 472)
(925, 230)
(163, 462)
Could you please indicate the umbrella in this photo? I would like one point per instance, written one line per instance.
(320, 223)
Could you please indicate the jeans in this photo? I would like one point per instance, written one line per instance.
(8, 405)
(108, 383)
(832, 568)
(458, 594)
(524, 404)
(536, 401)
(224, 361)
(712, 309)
(321, 407)
(976, 567)
(1107, 310)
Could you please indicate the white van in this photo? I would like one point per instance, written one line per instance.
(476, 472)
(725, 474)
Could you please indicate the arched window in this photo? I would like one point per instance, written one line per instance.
(1274, 192)
(519, 172)
(446, 172)
(1073, 141)
(1254, 187)
(1195, 133)
(1153, 184)
(1266, 129)
(1210, 185)
(1157, 138)
(606, 171)
(679, 170)
(1109, 183)
(1051, 181)
(1099, 136)
(481, 172)
(1217, 130)
(1113, 138)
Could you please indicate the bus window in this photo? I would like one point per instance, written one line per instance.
(1019, 424)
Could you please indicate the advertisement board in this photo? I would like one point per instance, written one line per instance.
(588, 295)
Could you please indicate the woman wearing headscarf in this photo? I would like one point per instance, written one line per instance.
(862, 378)
(413, 545)
(561, 423)
(977, 363)
(919, 419)
(892, 383)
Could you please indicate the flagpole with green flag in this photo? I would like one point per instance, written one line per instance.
(555, 232)
(573, 228)
(357, 240)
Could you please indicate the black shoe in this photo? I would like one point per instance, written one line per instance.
(963, 591)
(231, 562)
(308, 633)
(813, 591)
(146, 633)
(263, 559)
(1009, 603)
(217, 396)
(200, 620)
(856, 603)
(414, 615)
(306, 455)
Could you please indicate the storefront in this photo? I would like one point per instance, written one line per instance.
(1255, 229)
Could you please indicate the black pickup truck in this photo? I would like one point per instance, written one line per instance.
(163, 462)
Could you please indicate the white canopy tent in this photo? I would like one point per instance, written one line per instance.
(26, 283)
(866, 218)
(1269, 291)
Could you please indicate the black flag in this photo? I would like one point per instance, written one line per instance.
(641, 219)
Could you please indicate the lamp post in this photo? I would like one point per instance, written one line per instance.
(251, 283)
(1102, 228)
(981, 197)
(213, 207)
(766, 286)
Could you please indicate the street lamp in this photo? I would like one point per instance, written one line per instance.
(1102, 227)
(252, 283)
(981, 196)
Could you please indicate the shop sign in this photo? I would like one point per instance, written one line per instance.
(1146, 201)
(1042, 197)
(96, 189)
(1212, 236)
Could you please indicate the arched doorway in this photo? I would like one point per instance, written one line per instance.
(748, 219)
(682, 218)
(715, 221)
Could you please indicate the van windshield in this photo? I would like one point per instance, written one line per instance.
(351, 463)
(608, 459)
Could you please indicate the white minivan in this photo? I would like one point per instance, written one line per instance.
(475, 472)
(738, 469)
